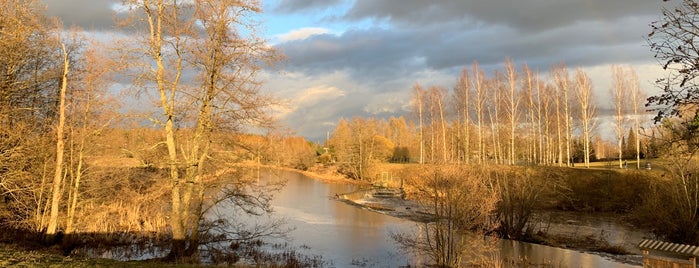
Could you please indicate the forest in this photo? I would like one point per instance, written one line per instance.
(134, 141)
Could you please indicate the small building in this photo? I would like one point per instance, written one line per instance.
(659, 254)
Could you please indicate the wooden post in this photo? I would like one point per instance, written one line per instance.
(693, 260)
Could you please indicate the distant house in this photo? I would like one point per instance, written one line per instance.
(659, 254)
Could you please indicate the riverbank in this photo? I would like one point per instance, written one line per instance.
(14, 255)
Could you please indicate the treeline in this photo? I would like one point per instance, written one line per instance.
(514, 116)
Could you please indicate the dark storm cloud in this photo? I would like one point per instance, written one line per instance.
(372, 52)
(291, 6)
(89, 15)
(528, 15)
(381, 53)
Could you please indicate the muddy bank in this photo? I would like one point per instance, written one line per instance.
(396, 207)
(602, 228)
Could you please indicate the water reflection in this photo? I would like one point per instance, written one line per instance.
(346, 235)
(557, 257)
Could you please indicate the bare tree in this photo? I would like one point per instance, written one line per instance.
(60, 146)
(587, 110)
(219, 43)
(462, 92)
(461, 205)
(673, 40)
(437, 95)
(496, 88)
(31, 67)
(547, 93)
(562, 82)
(418, 102)
(619, 95)
(512, 101)
(480, 102)
(89, 117)
(519, 192)
(637, 97)
(533, 106)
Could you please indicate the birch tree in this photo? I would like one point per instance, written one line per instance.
(562, 82)
(532, 105)
(89, 116)
(437, 95)
(560, 127)
(637, 99)
(462, 96)
(512, 101)
(619, 96)
(418, 105)
(587, 110)
(60, 147)
(480, 100)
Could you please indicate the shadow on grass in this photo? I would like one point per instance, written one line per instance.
(27, 248)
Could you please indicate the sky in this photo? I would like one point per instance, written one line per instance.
(349, 58)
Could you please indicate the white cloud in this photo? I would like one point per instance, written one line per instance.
(301, 34)
(387, 103)
(317, 94)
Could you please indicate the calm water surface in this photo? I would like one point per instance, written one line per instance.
(349, 236)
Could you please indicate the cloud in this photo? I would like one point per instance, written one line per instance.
(315, 95)
(524, 15)
(360, 57)
(301, 34)
(89, 15)
(291, 6)
(380, 54)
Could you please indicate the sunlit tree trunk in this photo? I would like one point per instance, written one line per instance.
(637, 99)
(534, 109)
(619, 96)
(156, 13)
(462, 94)
(494, 116)
(481, 95)
(587, 110)
(512, 106)
(562, 82)
(418, 97)
(559, 134)
(547, 137)
(60, 128)
(438, 96)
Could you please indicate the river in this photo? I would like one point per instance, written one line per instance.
(350, 236)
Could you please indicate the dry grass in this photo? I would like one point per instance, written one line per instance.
(18, 256)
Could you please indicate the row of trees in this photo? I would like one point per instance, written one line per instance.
(513, 117)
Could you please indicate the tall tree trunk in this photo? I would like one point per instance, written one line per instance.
(480, 101)
(559, 135)
(618, 91)
(584, 92)
(58, 174)
(419, 94)
(513, 103)
(637, 98)
(439, 95)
